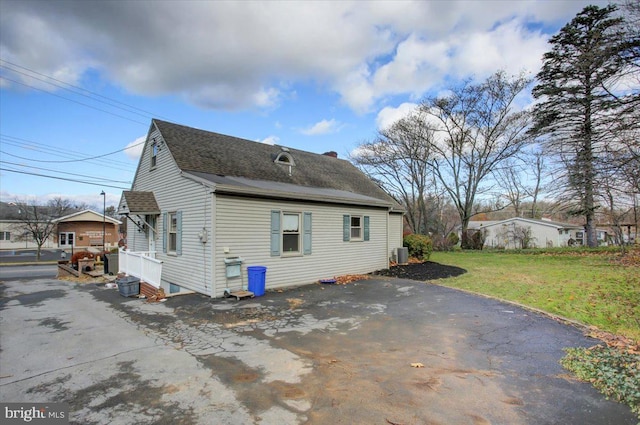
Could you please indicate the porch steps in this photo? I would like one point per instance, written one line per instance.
(150, 292)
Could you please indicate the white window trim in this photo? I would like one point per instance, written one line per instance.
(299, 252)
(66, 239)
(170, 218)
(154, 155)
(361, 227)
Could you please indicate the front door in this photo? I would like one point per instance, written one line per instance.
(66, 239)
(152, 232)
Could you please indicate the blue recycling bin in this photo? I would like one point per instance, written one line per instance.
(257, 278)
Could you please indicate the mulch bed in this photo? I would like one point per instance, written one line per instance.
(421, 271)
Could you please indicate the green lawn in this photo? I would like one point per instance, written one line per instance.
(592, 288)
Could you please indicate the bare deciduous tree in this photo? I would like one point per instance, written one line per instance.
(477, 128)
(38, 221)
(397, 159)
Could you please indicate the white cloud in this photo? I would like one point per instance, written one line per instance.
(270, 140)
(510, 47)
(322, 127)
(266, 98)
(230, 55)
(389, 115)
(134, 149)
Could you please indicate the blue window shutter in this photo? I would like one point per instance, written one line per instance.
(275, 233)
(179, 233)
(306, 243)
(346, 228)
(366, 227)
(165, 220)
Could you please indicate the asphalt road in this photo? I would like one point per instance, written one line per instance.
(28, 271)
(23, 264)
(372, 352)
(30, 256)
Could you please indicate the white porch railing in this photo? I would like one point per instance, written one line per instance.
(142, 265)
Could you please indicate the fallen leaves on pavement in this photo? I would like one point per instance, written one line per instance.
(294, 303)
(345, 279)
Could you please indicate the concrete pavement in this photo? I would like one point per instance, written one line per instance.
(316, 354)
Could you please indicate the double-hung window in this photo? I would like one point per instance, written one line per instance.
(290, 233)
(355, 228)
(173, 232)
(172, 240)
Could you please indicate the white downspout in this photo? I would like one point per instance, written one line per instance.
(388, 234)
(212, 242)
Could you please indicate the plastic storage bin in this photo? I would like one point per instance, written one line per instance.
(257, 279)
(128, 286)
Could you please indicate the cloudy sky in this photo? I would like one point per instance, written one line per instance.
(81, 80)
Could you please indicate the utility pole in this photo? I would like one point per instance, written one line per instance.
(104, 208)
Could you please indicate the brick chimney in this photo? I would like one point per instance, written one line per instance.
(333, 154)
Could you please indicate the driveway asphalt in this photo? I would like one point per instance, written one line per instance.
(380, 351)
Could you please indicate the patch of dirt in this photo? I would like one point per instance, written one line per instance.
(421, 271)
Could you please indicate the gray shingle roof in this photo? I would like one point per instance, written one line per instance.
(203, 152)
(138, 202)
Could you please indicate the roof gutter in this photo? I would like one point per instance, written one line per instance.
(251, 191)
(273, 194)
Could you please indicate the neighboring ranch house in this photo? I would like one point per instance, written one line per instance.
(200, 198)
(544, 233)
(84, 229)
(14, 233)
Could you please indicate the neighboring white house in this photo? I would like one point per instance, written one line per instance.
(14, 233)
(508, 233)
(199, 198)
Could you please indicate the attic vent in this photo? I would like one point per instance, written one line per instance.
(285, 158)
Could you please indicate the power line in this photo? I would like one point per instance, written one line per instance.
(35, 160)
(91, 93)
(62, 178)
(63, 172)
(74, 101)
(82, 159)
(55, 151)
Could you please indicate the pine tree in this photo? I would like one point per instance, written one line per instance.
(581, 100)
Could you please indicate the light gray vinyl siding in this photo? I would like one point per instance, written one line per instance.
(173, 192)
(244, 229)
(544, 235)
(395, 234)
